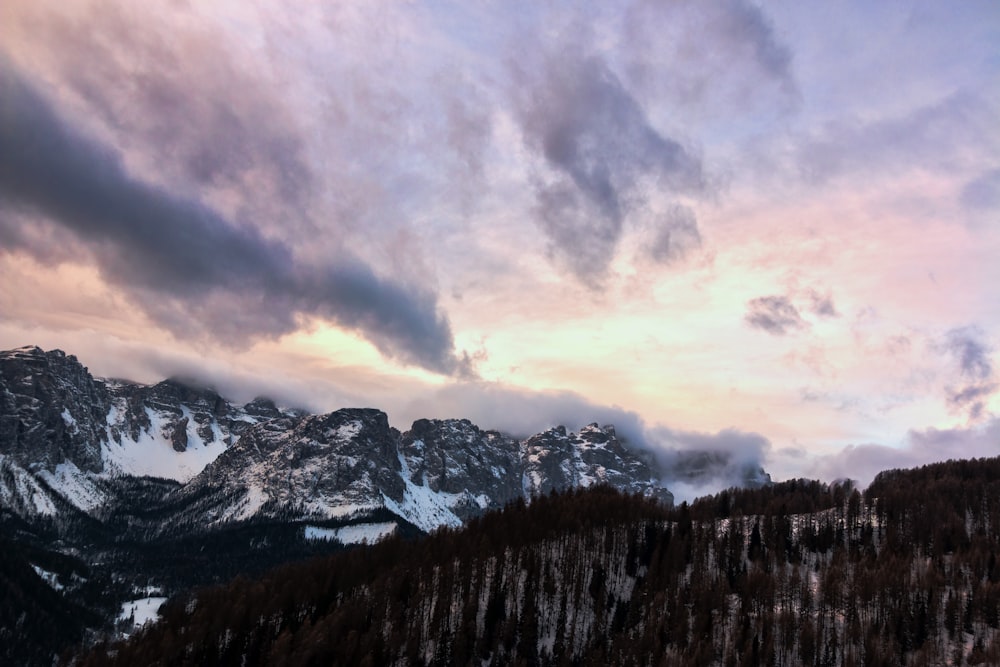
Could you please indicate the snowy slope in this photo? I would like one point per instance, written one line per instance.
(152, 453)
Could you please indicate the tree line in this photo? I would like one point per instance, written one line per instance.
(797, 573)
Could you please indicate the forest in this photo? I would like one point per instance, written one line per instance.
(795, 573)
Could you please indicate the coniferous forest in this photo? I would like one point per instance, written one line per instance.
(796, 573)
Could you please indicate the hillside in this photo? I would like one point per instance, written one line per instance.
(798, 573)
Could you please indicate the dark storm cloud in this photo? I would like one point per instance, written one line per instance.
(773, 314)
(212, 120)
(189, 268)
(972, 354)
(597, 139)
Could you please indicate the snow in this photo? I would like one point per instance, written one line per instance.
(357, 534)
(142, 611)
(51, 578)
(349, 430)
(25, 491)
(68, 419)
(74, 485)
(422, 506)
(254, 499)
(152, 454)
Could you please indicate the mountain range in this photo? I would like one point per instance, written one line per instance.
(67, 439)
(114, 489)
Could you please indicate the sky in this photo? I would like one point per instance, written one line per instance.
(770, 230)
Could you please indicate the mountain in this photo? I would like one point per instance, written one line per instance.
(67, 438)
(795, 573)
(64, 434)
(118, 491)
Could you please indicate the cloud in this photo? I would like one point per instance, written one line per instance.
(694, 463)
(822, 304)
(928, 138)
(773, 314)
(862, 462)
(664, 44)
(182, 102)
(973, 356)
(675, 235)
(971, 353)
(190, 269)
(601, 149)
(520, 412)
(982, 192)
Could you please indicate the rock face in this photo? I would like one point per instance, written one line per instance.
(309, 467)
(51, 410)
(62, 431)
(350, 463)
(454, 456)
(557, 460)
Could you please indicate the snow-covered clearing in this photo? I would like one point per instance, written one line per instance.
(357, 534)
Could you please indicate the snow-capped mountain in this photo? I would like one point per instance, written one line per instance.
(65, 434)
(70, 442)
(350, 463)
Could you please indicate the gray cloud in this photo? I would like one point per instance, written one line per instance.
(973, 356)
(971, 353)
(520, 412)
(927, 136)
(694, 463)
(773, 314)
(189, 268)
(862, 462)
(675, 235)
(983, 192)
(210, 119)
(698, 464)
(822, 304)
(664, 43)
(597, 139)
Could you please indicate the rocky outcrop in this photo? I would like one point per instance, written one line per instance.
(51, 410)
(316, 466)
(556, 460)
(179, 438)
(454, 456)
(441, 472)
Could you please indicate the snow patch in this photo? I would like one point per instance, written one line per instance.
(68, 419)
(141, 611)
(75, 486)
(51, 578)
(152, 453)
(422, 506)
(362, 533)
(348, 431)
(18, 488)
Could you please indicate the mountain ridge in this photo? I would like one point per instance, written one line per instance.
(64, 432)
